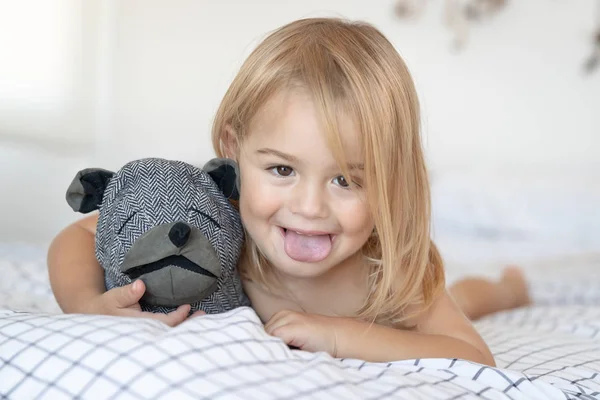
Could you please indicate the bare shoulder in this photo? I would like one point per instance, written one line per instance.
(444, 314)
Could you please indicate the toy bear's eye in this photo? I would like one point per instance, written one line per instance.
(125, 223)
(205, 215)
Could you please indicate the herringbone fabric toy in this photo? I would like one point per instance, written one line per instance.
(171, 225)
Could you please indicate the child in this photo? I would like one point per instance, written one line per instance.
(323, 120)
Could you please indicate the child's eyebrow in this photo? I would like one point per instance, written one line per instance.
(277, 153)
(360, 166)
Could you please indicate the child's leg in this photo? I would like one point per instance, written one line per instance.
(480, 297)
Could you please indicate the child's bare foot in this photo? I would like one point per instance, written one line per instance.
(478, 297)
(514, 282)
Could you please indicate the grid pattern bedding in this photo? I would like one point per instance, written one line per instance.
(548, 351)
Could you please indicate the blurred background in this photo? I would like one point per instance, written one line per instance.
(510, 94)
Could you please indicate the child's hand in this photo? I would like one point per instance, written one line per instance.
(124, 301)
(308, 332)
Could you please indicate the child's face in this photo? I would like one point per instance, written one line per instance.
(294, 202)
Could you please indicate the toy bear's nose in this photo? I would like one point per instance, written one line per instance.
(179, 234)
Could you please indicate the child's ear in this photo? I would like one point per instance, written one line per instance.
(229, 143)
(226, 175)
(87, 189)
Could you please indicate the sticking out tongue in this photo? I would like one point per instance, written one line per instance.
(306, 248)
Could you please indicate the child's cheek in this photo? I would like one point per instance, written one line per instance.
(356, 218)
(258, 197)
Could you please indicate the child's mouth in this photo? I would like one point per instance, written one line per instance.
(306, 246)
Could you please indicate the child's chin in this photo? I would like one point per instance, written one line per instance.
(300, 269)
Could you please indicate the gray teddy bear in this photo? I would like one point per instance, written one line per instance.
(171, 225)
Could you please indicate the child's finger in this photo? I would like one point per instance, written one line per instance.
(289, 334)
(178, 316)
(173, 318)
(197, 314)
(279, 319)
(273, 325)
(128, 295)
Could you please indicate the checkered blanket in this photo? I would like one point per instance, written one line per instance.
(548, 351)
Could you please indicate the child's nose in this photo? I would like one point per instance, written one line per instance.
(309, 201)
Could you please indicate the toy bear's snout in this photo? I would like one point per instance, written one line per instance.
(177, 263)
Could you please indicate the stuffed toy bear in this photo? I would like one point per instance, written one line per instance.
(171, 225)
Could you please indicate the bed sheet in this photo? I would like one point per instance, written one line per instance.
(548, 351)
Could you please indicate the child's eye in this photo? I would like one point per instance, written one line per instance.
(281, 170)
(341, 181)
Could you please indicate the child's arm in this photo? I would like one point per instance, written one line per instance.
(75, 274)
(77, 279)
(443, 332)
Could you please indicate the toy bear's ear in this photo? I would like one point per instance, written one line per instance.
(87, 189)
(226, 175)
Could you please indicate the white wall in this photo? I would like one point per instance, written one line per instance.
(33, 184)
(516, 95)
(155, 72)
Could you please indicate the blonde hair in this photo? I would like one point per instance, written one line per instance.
(351, 67)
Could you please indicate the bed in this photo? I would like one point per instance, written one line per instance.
(548, 351)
